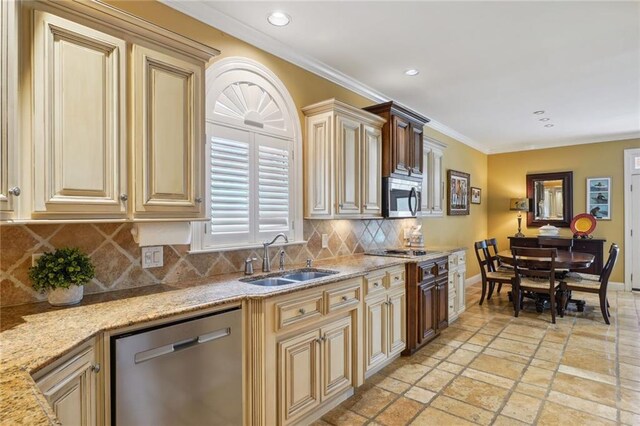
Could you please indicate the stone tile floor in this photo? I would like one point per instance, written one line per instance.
(491, 368)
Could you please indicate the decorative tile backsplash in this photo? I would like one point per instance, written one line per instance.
(117, 257)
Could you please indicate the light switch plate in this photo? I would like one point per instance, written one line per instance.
(152, 257)
(325, 240)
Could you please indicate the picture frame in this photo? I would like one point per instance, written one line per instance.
(599, 197)
(458, 193)
(476, 195)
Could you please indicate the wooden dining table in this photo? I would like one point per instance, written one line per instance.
(572, 260)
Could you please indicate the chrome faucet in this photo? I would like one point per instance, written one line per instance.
(266, 262)
(281, 266)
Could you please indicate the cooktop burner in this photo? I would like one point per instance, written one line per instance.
(399, 252)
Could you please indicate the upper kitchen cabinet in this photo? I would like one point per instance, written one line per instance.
(113, 116)
(343, 154)
(9, 191)
(401, 140)
(168, 134)
(432, 178)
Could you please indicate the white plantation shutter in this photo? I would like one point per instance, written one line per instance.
(274, 186)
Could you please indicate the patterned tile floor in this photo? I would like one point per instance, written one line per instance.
(491, 368)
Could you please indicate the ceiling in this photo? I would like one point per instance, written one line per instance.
(485, 67)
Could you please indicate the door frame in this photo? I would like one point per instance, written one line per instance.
(628, 243)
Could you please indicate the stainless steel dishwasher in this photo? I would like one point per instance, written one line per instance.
(184, 373)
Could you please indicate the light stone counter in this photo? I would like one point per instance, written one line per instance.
(33, 336)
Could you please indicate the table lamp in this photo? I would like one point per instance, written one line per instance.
(519, 205)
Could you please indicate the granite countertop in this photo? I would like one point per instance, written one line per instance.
(35, 335)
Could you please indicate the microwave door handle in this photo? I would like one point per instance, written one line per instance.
(413, 194)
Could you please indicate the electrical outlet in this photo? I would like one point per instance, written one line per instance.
(325, 240)
(152, 257)
(35, 257)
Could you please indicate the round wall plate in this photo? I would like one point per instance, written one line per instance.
(583, 224)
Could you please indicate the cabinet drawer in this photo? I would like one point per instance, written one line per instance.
(343, 297)
(461, 258)
(395, 278)
(453, 261)
(441, 267)
(297, 310)
(374, 284)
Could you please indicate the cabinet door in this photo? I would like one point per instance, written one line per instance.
(318, 166)
(372, 171)
(427, 303)
(168, 135)
(337, 364)
(415, 150)
(376, 346)
(80, 119)
(427, 192)
(460, 287)
(299, 375)
(442, 304)
(348, 137)
(71, 390)
(437, 182)
(397, 313)
(400, 140)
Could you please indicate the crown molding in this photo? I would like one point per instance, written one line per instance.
(558, 144)
(205, 12)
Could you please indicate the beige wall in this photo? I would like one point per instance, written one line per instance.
(507, 179)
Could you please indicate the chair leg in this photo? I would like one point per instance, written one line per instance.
(492, 285)
(552, 301)
(484, 291)
(499, 287)
(516, 300)
(603, 308)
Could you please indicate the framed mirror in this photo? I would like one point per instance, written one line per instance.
(551, 198)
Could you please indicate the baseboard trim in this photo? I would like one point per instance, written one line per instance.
(615, 286)
(472, 280)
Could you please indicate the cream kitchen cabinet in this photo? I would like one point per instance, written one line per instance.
(385, 318)
(113, 116)
(71, 387)
(433, 182)
(343, 154)
(9, 190)
(457, 278)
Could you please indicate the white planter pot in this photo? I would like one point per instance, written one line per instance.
(66, 296)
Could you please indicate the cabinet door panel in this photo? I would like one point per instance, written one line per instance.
(318, 166)
(401, 140)
(299, 375)
(442, 305)
(79, 83)
(427, 303)
(397, 324)
(437, 182)
(348, 136)
(168, 134)
(372, 172)
(376, 345)
(415, 150)
(337, 371)
(8, 93)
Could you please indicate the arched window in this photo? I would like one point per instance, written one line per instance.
(254, 158)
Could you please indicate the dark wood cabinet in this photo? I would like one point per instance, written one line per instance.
(427, 302)
(401, 140)
(594, 246)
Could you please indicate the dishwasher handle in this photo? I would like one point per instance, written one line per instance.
(181, 345)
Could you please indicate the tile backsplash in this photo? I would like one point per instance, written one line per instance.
(117, 257)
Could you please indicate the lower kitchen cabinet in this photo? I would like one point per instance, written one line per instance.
(385, 312)
(457, 279)
(71, 387)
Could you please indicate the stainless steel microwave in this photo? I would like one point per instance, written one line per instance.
(401, 197)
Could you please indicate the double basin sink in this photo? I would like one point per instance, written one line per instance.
(290, 277)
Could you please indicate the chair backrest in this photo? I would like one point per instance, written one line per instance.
(535, 262)
(492, 252)
(608, 266)
(559, 243)
(482, 256)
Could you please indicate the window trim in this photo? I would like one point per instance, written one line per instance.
(217, 79)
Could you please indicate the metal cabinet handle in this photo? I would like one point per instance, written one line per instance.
(302, 311)
(15, 191)
(124, 197)
(397, 278)
(344, 298)
(198, 199)
(340, 205)
(318, 341)
(376, 284)
(365, 206)
(95, 368)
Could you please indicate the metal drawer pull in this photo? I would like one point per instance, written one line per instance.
(397, 278)
(178, 346)
(376, 284)
(302, 311)
(344, 298)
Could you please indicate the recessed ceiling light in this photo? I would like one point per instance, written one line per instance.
(412, 72)
(548, 125)
(538, 112)
(279, 19)
(545, 119)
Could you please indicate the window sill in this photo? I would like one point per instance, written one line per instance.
(244, 247)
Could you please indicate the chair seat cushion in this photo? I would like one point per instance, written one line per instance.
(500, 275)
(541, 284)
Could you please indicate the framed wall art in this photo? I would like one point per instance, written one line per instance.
(599, 197)
(475, 195)
(458, 193)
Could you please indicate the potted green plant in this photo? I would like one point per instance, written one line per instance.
(63, 274)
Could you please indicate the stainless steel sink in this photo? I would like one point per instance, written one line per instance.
(307, 275)
(289, 277)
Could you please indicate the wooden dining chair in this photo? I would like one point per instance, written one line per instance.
(535, 272)
(595, 283)
(489, 277)
(559, 243)
(496, 264)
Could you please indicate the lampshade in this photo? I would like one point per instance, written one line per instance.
(519, 204)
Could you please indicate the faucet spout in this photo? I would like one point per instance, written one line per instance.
(266, 262)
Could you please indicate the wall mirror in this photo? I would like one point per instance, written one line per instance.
(551, 198)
